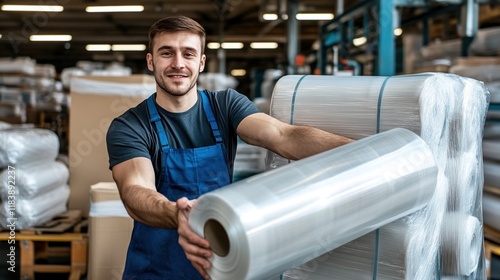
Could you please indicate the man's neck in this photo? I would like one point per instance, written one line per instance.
(176, 104)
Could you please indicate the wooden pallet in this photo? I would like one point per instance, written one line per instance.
(36, 247)
(64, 237)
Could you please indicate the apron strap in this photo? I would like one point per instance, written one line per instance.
(210, 116)
(154, 117)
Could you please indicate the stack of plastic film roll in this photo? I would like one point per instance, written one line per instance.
(448, 112)
(268, 223)
(40, 184)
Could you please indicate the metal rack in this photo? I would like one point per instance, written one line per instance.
(340, 31)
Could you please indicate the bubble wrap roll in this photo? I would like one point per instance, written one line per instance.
(261, 226)
(25, 146)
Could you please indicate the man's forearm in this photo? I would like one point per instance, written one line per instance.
(304, 141)
(149, 207)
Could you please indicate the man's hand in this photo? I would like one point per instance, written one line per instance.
(197, 249)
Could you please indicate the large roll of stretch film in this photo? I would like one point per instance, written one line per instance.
(266, 224)
(447, 111)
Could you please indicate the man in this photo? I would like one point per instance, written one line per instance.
(181, 143)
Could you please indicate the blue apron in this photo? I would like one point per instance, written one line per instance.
(155, 253)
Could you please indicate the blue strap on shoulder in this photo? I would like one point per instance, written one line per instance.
(210, 116)
(154, 117)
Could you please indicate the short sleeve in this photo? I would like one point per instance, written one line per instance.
(239, 107)
(125, 140)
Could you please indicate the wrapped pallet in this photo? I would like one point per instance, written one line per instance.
(448, 112)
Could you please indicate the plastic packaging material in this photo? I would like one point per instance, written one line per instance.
(446, 110)
(34, 180)
(4, 125)
(27, 146)
(491, 149)
(19, 65)
(263, 225)
(492, 173)
(83, 85)
(35, 211)
(486, 73)
(486, 42)
(462, 233)
(491, 210)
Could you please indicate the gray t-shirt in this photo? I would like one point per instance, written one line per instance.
(133, 135)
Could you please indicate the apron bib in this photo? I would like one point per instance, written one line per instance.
(155, 253)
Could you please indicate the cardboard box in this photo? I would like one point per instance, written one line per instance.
(95, 102)
(109, 236)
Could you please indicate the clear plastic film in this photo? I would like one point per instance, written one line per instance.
(34, 180)
(271, 222)
(27, 146)
(446, 110)
(37, 210)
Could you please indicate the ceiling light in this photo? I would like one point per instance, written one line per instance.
(270, 16)
(232, 45)
(213, 45)
(238, 72)
(98, 47)
(359, 41)
(114, 9)
(132, 47)
(264, 45)
(398, 31)
(314, 16)
(33, 8)
(50, 38)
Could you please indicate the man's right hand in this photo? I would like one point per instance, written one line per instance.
(197, 249)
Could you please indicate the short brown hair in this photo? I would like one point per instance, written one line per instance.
(175, 24)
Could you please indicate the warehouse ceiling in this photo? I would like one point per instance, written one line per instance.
(226, 20)
(234, 20)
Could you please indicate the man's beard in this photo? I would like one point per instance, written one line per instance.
(169, 89)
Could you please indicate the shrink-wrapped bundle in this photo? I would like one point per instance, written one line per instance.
(446, 110)
(27, 146)
(34, 180)
(35, 211)
(263, 225)
(491, 210)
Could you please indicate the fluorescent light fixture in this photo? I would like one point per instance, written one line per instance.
(0, 36)
(270, 16)
(225, 45)
(398, 31)
(62, 38)
(314, 16)
(213, 45)
(131, 47)
(114, 9)
(232, 45)
(33, 8)
(359, 41)
(238, 72)
(264, 45)
(98, 47)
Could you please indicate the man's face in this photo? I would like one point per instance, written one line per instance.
(176, 62)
